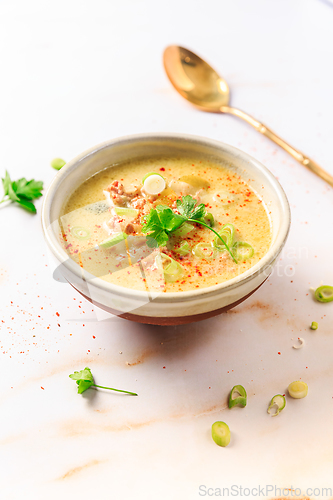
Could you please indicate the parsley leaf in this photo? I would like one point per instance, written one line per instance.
(159, 223)
(186, 206)
(162, 221)
(21, 191)
(85, 379)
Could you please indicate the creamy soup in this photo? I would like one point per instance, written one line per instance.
(151, 225)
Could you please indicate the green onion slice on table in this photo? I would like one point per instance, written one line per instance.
(324, 293)
(57, 163)
(277, 403)
(314, 325)
(221, 433)
(298, 389)
(237, 396)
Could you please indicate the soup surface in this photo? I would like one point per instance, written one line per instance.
(132, 229)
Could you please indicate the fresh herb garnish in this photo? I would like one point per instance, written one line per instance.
(162, 221)
(21, 192)
(84, 380)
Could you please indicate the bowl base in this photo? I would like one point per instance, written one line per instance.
(169, 321)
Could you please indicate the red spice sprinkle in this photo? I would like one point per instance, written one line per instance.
(162, 169)
(94, 337)
(163, 367)
(42, 388)
(279, 352)
(88, 350)
(57, 314)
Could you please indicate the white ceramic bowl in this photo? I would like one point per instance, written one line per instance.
(165, 308)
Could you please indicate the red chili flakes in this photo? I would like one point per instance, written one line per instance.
(88, 350)
(42, 388)
(57, 314)
(162, 169)
(163, 367)
(93, 336)
(279, 353)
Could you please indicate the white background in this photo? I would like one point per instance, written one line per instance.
(76, 73)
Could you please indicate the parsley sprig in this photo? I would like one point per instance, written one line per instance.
(21, 192)
(85, 379)
(162, 221)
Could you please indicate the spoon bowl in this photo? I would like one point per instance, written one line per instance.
(195, 79)
(198, 82)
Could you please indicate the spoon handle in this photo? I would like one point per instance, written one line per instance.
(300, 157)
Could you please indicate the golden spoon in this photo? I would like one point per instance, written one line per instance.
(199, 83)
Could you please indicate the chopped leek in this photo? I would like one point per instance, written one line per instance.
(113, 240)
(298, 389)
(221, 433)
(149, 174)
(324, 293)
(204, 251)
(153, 183)
(184, 230)
(81, 233)
(227, 234)
(209, 219)
(243, 250)
(314, 325)
(237, 396)
(57, 163)
(127, 212)
(277, 403)
(183, 249)
(172, 270)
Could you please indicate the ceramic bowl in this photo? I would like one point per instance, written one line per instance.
(164, 308)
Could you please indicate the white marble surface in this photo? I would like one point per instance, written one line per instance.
(76, 73)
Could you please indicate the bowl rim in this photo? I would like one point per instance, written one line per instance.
(168, 297)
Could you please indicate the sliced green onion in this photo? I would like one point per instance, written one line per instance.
(81, 233)
(298, 389)
(209, 219)
(113, 240)
(183, 249)
(227, 234)
(243, 250)
(237, 396)
(204, 251)
(217, 235)
(58, 163)
(221, 433)
(314, 325)
(127, 212)
(184, 230)
(172, 270)
(324, 293)
(149, 174)
(153, 183)
(277, 403)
